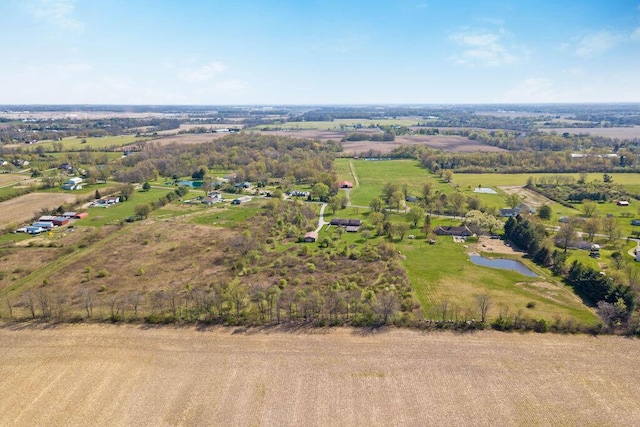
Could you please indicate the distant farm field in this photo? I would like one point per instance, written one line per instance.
(123, 375)
(23, 208)
(620, 133)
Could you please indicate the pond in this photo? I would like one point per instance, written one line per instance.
(505, 264)
(192, 184)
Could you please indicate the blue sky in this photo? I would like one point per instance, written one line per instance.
(318, 51)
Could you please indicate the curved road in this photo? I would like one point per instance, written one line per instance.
(321, 221)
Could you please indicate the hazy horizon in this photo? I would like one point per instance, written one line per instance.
(81, 52)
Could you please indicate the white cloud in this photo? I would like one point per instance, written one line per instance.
(595, 44)
(532, 89)
(57, 13)
(635, 36)
(484, 49)
(203, 73)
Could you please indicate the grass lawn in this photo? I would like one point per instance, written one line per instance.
(443, 272)
(117, 213)
(373, 175)
(75, 143)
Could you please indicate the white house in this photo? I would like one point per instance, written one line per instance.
(73, 184)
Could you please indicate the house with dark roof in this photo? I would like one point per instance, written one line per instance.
(310, 237)
(518, 210)
(447, 230)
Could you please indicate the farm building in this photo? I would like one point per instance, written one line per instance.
(60, 221)
(622, 203)
(46, 218)
(241, 200)
(47, 225)
(346, 184)
(210, 200)
(310, 237)
(69, 214)
(343, 222)
(463, 231)
(635, 222)
(81, 215)
(35, 230)
(72, 184)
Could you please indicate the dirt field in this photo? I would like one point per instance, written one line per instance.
(12, 178)
(24, 207)
(486, 244)
(123, 375)
(531, 198)
(451, 143)
(620, 133)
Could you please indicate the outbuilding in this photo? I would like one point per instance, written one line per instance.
(60, 221)
(310, 237)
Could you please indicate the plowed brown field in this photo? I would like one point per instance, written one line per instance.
(126, 375)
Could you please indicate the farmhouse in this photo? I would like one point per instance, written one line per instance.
(518, 210)
(310, 237)
(463, 231)
(73, 184)
(346, 184)
(105, 202)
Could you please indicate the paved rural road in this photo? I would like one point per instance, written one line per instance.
(321, 219)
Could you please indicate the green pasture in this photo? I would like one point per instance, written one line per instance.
(443, 272)
(75, 143)
(120, 211)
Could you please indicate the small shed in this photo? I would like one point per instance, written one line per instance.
(346, 184)
(81, 215)
(69, 214)
(310, 237)
(622, 203)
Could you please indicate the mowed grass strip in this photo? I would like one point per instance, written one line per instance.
(75, 143)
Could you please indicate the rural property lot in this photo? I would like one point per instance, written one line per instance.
(124, 375)
(23, 208)
(621, 133)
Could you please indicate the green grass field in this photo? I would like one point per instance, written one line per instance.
(74, 143)
(443, 272)
(117, 213)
